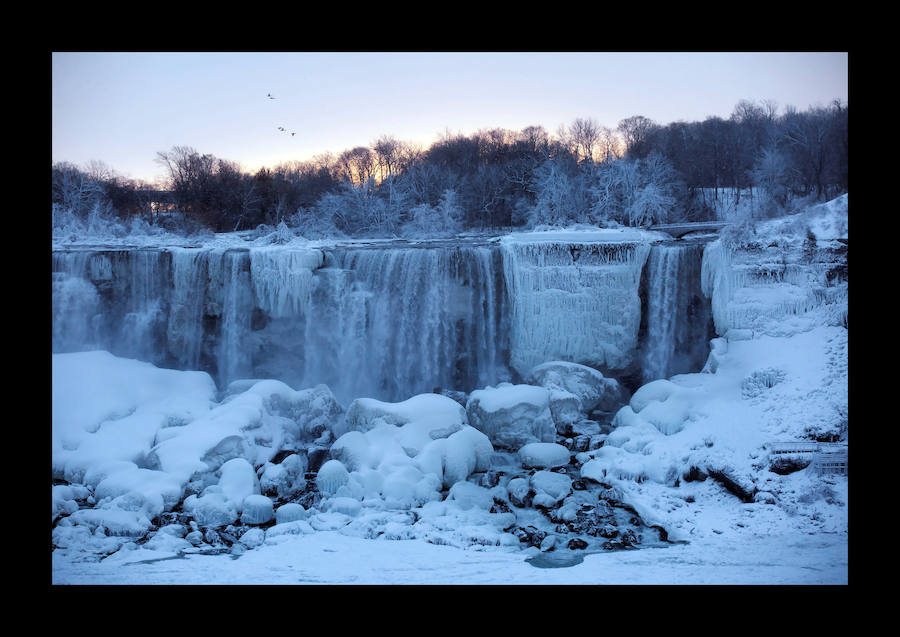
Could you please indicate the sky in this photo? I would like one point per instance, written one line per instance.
(122, 108)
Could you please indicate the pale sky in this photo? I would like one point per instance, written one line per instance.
(122, 108)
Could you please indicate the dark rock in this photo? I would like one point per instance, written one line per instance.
(608, 531)
(500, 506)
(694, 474)
(789, 463)
(663, 534)
(578, 485)
(489, 479)
(581, 443)
(530, 535)
(317, 457)
(733, 484)
(577, 543)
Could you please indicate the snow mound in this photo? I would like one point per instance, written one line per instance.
(107, 408)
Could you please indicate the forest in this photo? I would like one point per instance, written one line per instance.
(635, 174)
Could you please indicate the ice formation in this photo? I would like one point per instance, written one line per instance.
(576, 302)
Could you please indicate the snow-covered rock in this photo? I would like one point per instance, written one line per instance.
(422, 418)
(565, 408)
(290, 512)
(512, 415)
(237, 481)
(256, 509)
(544, 455)
(253, 538)
(550, 488)
(211, 509)
(467, 495)
(332, 476)
(586, 383)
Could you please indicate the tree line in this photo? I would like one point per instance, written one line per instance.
(635, 174)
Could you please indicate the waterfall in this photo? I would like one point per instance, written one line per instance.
(400, 321)
(147, 285)
(115, 300)
(235, 347)
(190, 268)
(677, 319)
(387, 321)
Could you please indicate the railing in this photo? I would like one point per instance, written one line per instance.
(828, 457)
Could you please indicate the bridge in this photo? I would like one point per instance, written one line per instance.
(678, 230)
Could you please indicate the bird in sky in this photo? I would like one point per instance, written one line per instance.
(292, 134)
(281, 128)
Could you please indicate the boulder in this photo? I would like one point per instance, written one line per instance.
(286, 478)
(211, 510)
(331, 477)
(520, 492)
(550, 488)
(544, 455)
(512, 415)
(589, 385)
(565, 408)
(289, 512)
(238, 480)
(257, 509)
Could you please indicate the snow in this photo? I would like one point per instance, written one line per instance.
(544, 455)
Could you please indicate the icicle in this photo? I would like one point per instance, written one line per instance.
(282, 278)
(573, 301)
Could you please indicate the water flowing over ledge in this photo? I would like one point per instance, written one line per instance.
(388, 319)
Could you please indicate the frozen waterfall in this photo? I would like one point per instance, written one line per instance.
(576, 302)
(390, 320)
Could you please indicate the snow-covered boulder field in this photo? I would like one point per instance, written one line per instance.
(748, 442)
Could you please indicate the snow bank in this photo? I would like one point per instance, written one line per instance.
(106, 408)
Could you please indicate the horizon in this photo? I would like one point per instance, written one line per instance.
(121, 109)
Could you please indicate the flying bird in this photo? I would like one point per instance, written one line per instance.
(292, 134)
(281, 128)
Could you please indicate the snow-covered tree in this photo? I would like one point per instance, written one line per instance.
(771, 175)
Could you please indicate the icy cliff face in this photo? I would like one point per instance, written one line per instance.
(572, 301)
(789, 276)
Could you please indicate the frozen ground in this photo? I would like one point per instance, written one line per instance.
(737, 556)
